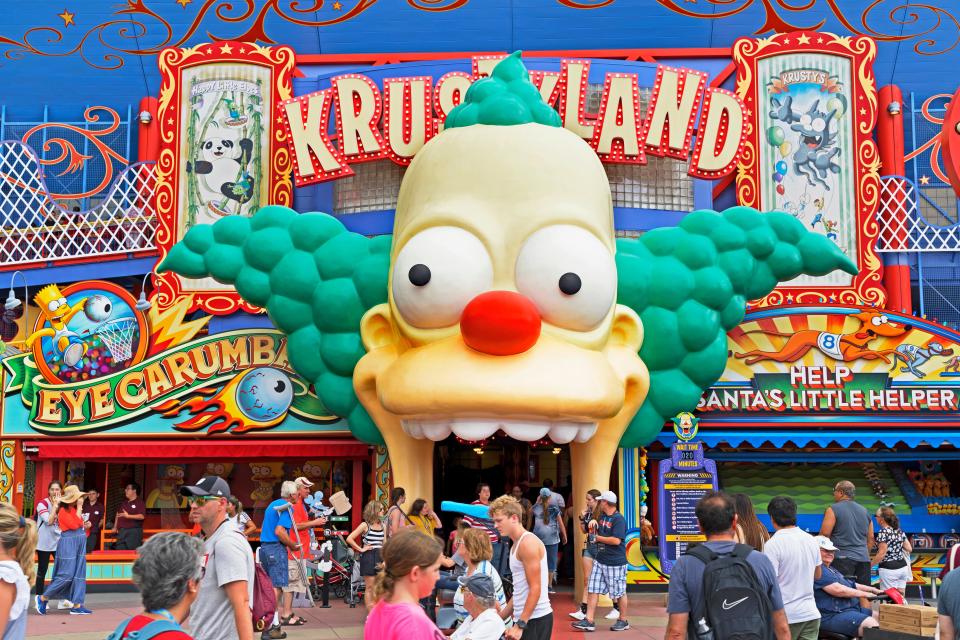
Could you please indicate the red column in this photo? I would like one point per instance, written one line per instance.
(148, 136)
(44, 475)
(896, 274)
(356, 499)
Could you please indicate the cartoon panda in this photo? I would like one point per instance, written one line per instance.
(222, 168)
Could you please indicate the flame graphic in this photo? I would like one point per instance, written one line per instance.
(169, 327)
(219, 411)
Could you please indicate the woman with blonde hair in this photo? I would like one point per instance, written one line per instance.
(372, 532)
(18, 541)
(411, 568)
(477, 552)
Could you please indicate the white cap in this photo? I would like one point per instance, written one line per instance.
(608, 496)
(825, 543)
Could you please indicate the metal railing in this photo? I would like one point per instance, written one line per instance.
(34, 228)
(904, 225)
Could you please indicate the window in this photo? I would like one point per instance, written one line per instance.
(662, 183)
(373, 187)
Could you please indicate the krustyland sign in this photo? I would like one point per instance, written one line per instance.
(844, 361)
(395, 121)
(232, 382)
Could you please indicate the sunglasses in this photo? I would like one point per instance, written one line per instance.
(200, 500)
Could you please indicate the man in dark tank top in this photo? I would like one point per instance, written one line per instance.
(848, 525)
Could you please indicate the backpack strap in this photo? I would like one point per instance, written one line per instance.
(741, 551)
(149, 630)
(703, 553)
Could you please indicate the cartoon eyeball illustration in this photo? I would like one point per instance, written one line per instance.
(264, 394)
(97, 308)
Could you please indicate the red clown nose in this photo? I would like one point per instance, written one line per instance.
(500, 323)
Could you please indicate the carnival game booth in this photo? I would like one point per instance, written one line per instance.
(161, 407)
(786, 422)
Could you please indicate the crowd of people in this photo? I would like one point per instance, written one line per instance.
(499, 568)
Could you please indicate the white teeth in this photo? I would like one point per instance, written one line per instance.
(586, 432)
(526, 431)
(564, 432)
(476, 429)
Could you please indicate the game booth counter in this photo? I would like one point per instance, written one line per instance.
(161, 406)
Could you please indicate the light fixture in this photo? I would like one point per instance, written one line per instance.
(556, 451)
(145, 117)
(143, 304)
(478, 451)
(893, 108)
(12, 302)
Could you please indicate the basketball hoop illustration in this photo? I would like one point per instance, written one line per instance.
(118, 335)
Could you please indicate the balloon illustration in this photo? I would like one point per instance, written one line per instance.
(781, 167)
(775, 136)
(780, 189)
(784, 149)
(838, 103)
(778, 177)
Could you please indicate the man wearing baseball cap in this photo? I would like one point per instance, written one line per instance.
(838, 599)
(222, 608)
(480, 601)
(609, 574)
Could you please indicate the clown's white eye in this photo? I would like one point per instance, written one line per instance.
(805, 119)
(437, 273)
(819, 124)
(569, 275)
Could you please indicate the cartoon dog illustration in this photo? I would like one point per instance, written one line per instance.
(843, 347)
(914, 357)
(953, 365)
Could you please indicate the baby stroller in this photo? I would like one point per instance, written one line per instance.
(357, 586)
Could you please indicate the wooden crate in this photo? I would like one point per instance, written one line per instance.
(915, 619)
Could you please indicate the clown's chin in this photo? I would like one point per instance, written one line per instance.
(474, 429)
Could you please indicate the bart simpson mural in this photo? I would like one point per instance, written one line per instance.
(502, 302)
(67, 344)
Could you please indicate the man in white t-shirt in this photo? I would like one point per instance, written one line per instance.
(796, 560)
(480, 601)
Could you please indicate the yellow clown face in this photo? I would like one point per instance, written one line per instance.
(502, 310)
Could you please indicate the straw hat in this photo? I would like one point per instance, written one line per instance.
(71, 494)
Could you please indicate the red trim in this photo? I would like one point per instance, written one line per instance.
(722, 184)
(647, 55)
(193, 450)
(723, 75)
(148, 140)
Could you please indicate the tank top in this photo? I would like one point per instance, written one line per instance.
(373, 538)
(520, 587)
(850, 532)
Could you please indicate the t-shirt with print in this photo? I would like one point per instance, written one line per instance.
(686, 579)
(401, 621)
(139, 622)
(228, 559)
(94, 515)
(549, 531)
(483, 524)
(613, 526)
(133, 507)
(795, 557)
(48, 535)
(272, 518)
(948, 601)
(894, 539)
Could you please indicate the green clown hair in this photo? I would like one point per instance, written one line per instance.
(504, 98)
(690, 284)
(314, 278)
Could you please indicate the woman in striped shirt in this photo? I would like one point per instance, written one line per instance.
(372, 532)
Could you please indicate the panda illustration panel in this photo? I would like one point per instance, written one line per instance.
(807, 151)
(227, 147)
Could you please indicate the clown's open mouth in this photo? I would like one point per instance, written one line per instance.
(475, 429)
(812, 141)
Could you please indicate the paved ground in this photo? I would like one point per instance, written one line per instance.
(647, 620)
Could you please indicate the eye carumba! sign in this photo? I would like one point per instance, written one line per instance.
(394, 121)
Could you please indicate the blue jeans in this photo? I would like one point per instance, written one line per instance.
(501, 558)
(552, 550)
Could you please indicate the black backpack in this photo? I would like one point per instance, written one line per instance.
(735, 605)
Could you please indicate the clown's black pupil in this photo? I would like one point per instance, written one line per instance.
(570, 283)
(281, 385)
(419, 275)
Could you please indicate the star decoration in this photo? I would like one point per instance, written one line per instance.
(226, 48)
(804, 39)
(67, 18)
(169, 120)
(790, 298)
(819, 40)
(337, 6)
(184, 3)
(279, 119)
(924, 180)
(863, 111)
(209, 50)
(833, 298)
(786, 41)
